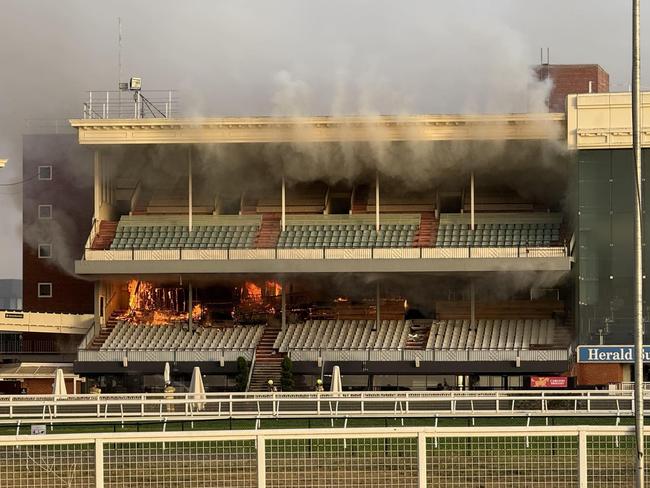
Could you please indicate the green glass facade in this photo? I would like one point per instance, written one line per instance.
(604, 265)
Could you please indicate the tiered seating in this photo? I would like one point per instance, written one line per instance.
(165, 337)
(165, 232)
(499, 230)
(343, 334)
(344, 231)
(492, 334)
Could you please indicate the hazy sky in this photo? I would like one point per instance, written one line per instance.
(263, 57)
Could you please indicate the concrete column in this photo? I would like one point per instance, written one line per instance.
(284, 303)
(97, 187)
(189, 184)
(96, 293)
(189, 306)
(472, 304)
(378, 305)
(377, 200)
(471, 200)
(283, 222)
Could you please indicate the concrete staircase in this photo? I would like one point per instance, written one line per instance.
(269, 231)
(268, 362)
(418, 335)
(99, 339)
(428, 232)
(105, 236)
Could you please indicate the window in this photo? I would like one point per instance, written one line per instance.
(45, 173)
(45, 211)
(45, 290)
(45, 251)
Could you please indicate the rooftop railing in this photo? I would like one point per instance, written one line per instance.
(131, 104)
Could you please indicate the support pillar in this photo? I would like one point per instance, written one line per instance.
(472, 304)
(97, 308)
(189, 306)
(471, 200)
(377, 200)
(283, 221)
(189, 184)
(378, 306)
(97, 187)
(284, 304)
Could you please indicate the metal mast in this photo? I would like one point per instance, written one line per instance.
(638, 256)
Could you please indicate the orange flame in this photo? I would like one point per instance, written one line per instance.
(197, 311)
(273, 288)
(252, 292)
(157, 305)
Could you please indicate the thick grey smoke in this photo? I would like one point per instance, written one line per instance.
(291, 57)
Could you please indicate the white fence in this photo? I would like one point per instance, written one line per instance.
(159, 355)
(427, 355)
(139, 407)
(324, 253)
(554, 457)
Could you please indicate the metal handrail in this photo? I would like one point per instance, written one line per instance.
(251, 405)
(130, 104)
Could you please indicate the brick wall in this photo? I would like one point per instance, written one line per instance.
(572, 78)
(70, 194)
(598, 374)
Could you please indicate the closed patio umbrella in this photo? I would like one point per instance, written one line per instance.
(197, 390)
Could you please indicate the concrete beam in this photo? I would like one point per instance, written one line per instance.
(310, 266)
(542, 126)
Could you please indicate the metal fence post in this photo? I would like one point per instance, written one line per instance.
(582, 459)
(422, 460)
(261, 461)
(99, 463)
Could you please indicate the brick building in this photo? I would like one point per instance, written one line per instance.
(572, 78)
(57, 216)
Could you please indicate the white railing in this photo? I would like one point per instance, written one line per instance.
(160, 355)
(138, 407)
(546, 456)
(131, 104)
(324, 253)
(58, 323)
(427, 355)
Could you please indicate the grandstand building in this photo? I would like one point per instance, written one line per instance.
(414, 252)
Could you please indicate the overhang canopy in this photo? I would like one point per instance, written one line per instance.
(388, 128)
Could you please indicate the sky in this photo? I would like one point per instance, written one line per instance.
(292, 57)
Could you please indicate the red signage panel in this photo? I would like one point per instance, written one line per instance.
(549, 381)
